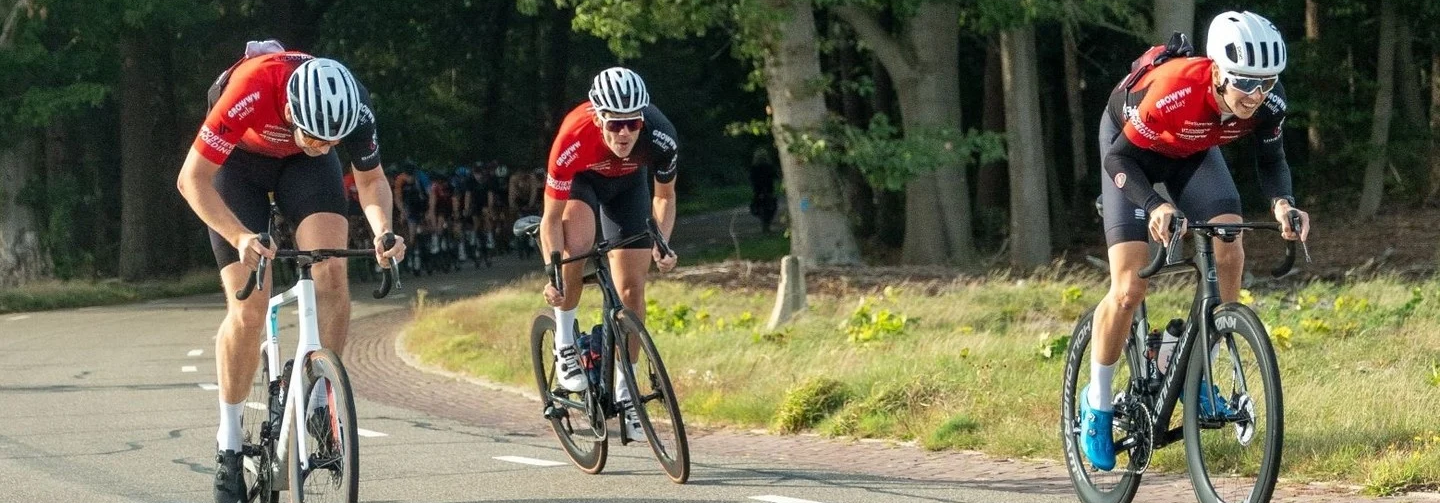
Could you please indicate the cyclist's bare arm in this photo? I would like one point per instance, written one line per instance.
(197, 185)
(663, 207)
(552, 231)
(375, 198)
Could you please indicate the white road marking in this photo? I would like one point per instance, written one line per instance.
(195, 352)
(369, 434)
(255, 405)
(188, 368)
(210, 387)
(529, 461)
(781, 499)
(17, 318)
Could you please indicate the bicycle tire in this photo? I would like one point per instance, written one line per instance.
(1236, 321)
(334, 474)
(588, 456)
(674, 457)
(259, 477)
(1113, 486)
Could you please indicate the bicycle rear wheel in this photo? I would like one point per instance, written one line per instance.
(1091, 485)
(257, 438)
(654, 398)
(573, 426)
(332, 445)
(1235, 457)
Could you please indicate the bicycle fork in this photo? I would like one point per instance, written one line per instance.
(303, 294)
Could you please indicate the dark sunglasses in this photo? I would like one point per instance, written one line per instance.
(633, 124)
(313, 142)
(1248, 85)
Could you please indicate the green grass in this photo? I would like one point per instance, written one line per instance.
(48, 295)
(765, 248)
(713, 199)
(978, 365)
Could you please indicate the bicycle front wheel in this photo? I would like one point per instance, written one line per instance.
(573, 426)
(332, 445)
(257, 436)
(1233, 446)
(654, 399)
(1092, 485)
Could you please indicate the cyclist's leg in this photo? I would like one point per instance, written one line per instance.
(1209, 195)
(624, 212)
(242, 182)
(310, 193)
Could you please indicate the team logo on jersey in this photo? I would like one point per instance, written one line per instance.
(562, 186)
(215, 141)
(244, 107)
(1173, 100)
(1120, 181)
(663, 140)
(569, 155)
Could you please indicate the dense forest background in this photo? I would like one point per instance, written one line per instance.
(908, 131)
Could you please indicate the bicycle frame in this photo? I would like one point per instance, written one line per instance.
(302, 294)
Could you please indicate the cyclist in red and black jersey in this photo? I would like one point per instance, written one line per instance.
(604, 157)
(275, 118)
(1166, 128)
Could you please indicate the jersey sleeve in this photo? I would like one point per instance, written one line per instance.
(1273, 169)
(562, 166)
(232, 114)
(663, 146)
(363, 144)
(1148, 124)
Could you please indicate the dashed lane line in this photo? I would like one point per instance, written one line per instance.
(781, 499)
(195, 352)
(529, 461)
(188, 368)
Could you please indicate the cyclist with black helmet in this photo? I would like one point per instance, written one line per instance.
(605, 155)
(275, 119)
(1166, 126)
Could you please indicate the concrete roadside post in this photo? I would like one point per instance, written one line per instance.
(790, 295)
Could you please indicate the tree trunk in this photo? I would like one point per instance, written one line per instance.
(557, 62)
(990, 189)
(22, 257)
(1374, 188)
(1172, 16)
(820, 232)
(1029, 211)
(1315, 140)
(491, 111)
(147, 174)
(924, 65)
(1434, 128)
(1079, 155)
(859, 197)
(1412, 109)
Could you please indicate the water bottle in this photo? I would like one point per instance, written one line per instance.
(1152, 352)
(1167, 344)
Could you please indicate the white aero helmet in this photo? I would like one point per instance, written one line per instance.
(324, 99)
(618, 90)
(1246, 43)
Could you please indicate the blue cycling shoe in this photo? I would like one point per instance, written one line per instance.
(1218, 407)
(1096, 434)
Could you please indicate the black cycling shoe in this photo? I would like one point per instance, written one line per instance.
(229, 477)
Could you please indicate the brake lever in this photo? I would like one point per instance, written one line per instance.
(1295, 224)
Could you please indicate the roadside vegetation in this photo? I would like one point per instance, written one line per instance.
(56, 294)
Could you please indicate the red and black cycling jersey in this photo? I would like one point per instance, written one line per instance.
(579, 147)
(250, 115)
(1172, 111)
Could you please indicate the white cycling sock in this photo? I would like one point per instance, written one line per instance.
(227, 438)
(318, 396)
(1101, 377)
(622, 392)
(564, 328)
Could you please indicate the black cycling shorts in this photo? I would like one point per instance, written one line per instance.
(303, 186)
(1203, 183)
(625, 201)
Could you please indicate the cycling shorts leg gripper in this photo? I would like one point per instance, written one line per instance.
(243, 181)
(310, 185)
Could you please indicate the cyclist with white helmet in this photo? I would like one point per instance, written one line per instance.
(606, 153)
(275, 119)
(1164, 124)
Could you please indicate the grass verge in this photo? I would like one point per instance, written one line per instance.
(978, 364)
(713, 199)
(47, 295)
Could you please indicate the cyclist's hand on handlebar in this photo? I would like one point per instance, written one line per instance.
(1160, 223)
(553, 296)
(251, 250)
(665, 263)
(1282, 215)
(396, 252)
